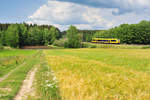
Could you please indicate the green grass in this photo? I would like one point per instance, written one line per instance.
(10, 63)
(11, 85)
(101, 74)
(78, 74)
(131, 58)
(46, 86)
(21, 62)
(10, 59)
(117, 46)
(15, 52)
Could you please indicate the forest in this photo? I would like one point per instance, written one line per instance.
(129, 33)
(19, 35)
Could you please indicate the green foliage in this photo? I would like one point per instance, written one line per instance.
(46, 36)
(74, 38)
(102, 34)
(19, 35)
(23, 35)
(87, 35)
(1, 46)
(129, 34)
(54, 34)
(11, 36)
(47, 86)
(35, 36)
(2, 38)
(60, 43)
(146, 47)
(18, 70)
(88, 45)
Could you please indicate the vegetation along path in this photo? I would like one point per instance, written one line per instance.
(78, 74)
(5, 77)
(11, 83)
(27, 85)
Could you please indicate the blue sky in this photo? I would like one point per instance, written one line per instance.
(85, 14)
(18, 10)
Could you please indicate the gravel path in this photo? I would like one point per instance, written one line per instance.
(27, 85)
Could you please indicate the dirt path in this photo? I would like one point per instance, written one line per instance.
(4, 77)
(27, 88)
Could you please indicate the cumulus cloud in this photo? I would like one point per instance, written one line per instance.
(123, 6)
(63, 14)
(66, 13)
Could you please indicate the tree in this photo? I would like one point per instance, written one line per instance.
(46, 37)
(74, 38)
(55, 34)
(1, 46)
(11, 36)
(23, 35)
(129, 33)
(18, 35)
(35, 36)
(0, 37)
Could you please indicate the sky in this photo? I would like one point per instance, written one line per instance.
(84, 14)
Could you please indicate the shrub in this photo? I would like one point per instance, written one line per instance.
(93, 46)
(74, 38)
(146, 47)
(85, 45)
(88, 45)
(1, 47)
(60, 43)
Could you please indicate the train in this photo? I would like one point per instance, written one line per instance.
(106, 40)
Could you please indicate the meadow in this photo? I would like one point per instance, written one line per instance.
(75, 74)
(101, 74)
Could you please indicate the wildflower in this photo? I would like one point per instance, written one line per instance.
(54, 78)
(49, 85)
(47, 81)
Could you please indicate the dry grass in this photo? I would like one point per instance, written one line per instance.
(82, 78)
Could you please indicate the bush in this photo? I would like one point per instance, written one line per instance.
(60, 43)
(88, 45)
(74, 38)
(93, 46)
(146, 47)
(1, 47)
(85, 45)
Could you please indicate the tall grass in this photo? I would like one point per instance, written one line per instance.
(9, 63)
(45, 83)
(15, 52)
(101, 74)
(117, 46)
(11, 85)
(131, 58)
(10, 59)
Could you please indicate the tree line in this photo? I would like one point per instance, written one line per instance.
(18, 35)
(128, 33)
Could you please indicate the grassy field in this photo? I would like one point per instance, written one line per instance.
(101, 74)
(116, 46)
(14, 65)
(76, 74)
(10, 59)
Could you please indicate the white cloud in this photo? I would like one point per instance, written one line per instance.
(124, 6)
(64, 14)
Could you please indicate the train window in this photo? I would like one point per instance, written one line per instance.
(103, 40)
(113, 40)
